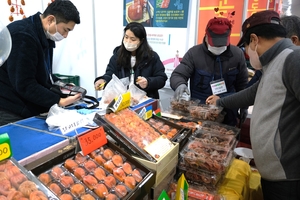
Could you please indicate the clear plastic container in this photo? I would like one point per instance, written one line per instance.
(205, 112)
(210, 138)
(183, 104)
(222, 129)
(207, 158)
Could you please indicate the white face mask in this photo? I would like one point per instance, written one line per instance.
(56, 36)
(130, 47)
(254, 58)
(216, 50)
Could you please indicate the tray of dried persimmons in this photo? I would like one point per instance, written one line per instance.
(18, 183)
(200, 155)
(106, 173)
(173, 131)
(134, 134)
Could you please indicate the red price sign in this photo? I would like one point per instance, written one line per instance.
(92, 140)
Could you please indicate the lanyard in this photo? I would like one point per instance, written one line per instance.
(220, 65)
(48, 65)
(46, 59)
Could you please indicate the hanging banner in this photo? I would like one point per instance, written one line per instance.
(256, 6)
(271, 4)
(166, 25)
(157, 13)
(278, 6)
(221, 8)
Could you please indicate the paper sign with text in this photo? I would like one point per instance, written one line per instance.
(159, 147)
(78, 123)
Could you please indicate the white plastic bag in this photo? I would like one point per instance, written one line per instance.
(59, 117)
(113, 89)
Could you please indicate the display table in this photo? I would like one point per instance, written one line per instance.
(31, 139)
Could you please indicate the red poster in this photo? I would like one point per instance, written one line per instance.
(271, 4)
(256, 6)
(206, 12)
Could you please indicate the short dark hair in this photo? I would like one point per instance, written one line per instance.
(292, 25)
(144, 49)
(63, 10)
(267, 31)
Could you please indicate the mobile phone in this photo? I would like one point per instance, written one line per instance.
(70, 89)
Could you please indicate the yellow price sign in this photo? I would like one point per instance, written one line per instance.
(5, 148)
(119, 103)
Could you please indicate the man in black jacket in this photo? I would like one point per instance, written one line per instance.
(214, 62)
(26, 77)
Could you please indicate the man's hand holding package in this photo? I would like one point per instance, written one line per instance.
(212, 100)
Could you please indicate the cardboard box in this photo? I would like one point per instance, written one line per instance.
(163, 165)
(146, 103)
(163, 185)
(171, 166)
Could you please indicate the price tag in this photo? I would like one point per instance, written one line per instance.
(119, 103)
(92, 140)
(5, 148)
(146, 112)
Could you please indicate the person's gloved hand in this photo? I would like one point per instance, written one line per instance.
(180, 90)
(243, 113)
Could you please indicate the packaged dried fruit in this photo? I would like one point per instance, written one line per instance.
(210, 159)
(205, 112)
(182, 104)
(222, 129)
(209, 138)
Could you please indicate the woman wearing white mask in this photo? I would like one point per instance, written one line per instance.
(214, 62)
(135, 59)
(26, 77)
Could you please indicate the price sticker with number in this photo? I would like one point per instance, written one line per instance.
(92, 140)
(5, 148)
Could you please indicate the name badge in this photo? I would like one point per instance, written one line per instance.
(218, 86)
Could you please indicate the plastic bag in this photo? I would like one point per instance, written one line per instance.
(58, 117)
(114, 88)
(136, 94)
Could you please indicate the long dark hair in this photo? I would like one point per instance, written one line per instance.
(144, 50)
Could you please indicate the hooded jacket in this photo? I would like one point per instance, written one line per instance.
(150, 68)
(25, 76)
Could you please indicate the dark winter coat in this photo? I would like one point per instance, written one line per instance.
(201, 67)
(24, 77)
(150, 68)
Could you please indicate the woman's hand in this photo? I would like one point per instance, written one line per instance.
(99, 85)
(142, 82)
(212, 100)
(69, 100)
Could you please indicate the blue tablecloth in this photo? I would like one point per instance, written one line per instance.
(25, 142)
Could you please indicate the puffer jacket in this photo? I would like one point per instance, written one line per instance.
(150, 68)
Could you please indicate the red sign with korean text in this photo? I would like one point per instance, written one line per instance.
(92, 140)
(256, 6)
(225, 7)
